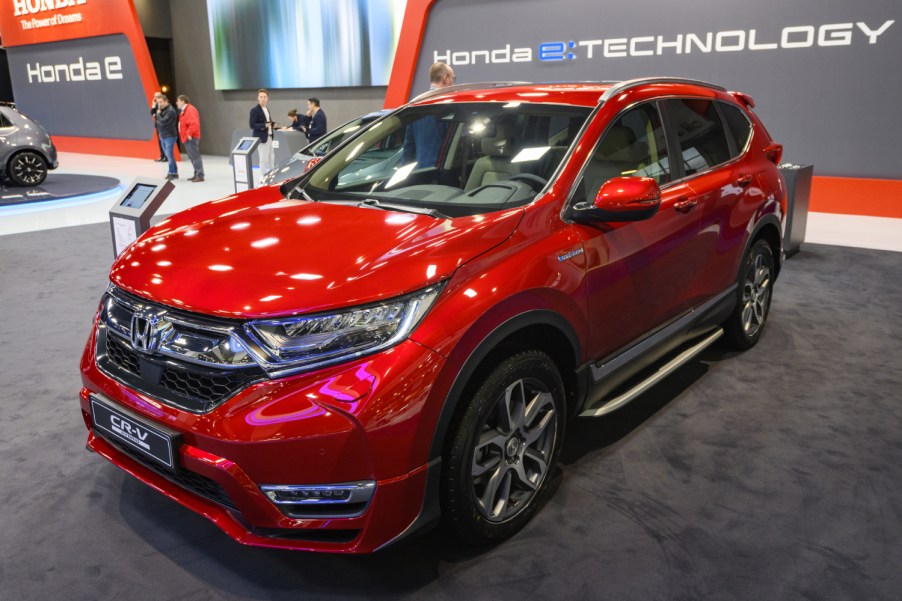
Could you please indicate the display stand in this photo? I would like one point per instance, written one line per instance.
(242, 163)
(131, 213)
(798, 194)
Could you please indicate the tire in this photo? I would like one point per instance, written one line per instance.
(27, 169)
(756, 279)
(503, 450)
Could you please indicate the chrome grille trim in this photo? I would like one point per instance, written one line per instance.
(172, 378)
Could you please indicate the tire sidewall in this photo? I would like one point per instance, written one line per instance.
(458, 496)
(735, 330)
(10, 171)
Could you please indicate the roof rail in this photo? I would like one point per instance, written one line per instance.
(632, 83)
(8, 103)
(469, 86)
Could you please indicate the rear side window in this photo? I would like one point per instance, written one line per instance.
(4, 121)
(703, 139)
(738, 126)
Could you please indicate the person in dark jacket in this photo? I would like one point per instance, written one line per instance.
(262, 125)
(424, 138)
(314, 122)
(167, 123)
(153, 115)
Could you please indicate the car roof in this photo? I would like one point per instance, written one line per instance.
(580, 94)
(587, 94)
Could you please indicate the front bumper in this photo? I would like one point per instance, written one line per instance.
(344, 424)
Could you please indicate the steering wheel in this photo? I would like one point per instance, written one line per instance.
(535, 182)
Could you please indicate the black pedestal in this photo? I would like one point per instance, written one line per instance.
(798, 193)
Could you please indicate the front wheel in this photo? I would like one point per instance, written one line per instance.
(503, 449)
(27, 169)
(756, 279)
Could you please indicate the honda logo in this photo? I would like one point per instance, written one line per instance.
(148, 331)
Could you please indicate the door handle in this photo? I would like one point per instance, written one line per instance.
(684, 205)
(744, 180)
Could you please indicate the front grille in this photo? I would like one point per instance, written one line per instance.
(171, 380)
(191, 481)
(187, 386)
(209, 388)
(123, 356)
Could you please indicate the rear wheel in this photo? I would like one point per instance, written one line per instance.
(756, 279)
(27, 169)
(505, 446)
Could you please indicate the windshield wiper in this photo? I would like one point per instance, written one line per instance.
(389, 206)
(304, 193)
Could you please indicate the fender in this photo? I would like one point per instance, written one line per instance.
(770, 219)
(475, 358)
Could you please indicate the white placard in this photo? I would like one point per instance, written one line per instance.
(240, 166)
(125, 231)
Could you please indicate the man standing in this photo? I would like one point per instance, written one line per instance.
(168, 130)
(153, 115)
(262, 126)
(424, 137)
(314, 122)
(189, 132)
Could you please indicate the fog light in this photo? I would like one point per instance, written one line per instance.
(333, 494)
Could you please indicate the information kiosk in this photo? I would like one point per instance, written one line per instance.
(131, 213)
(243, 163)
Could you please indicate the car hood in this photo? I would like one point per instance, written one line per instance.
(259, 255)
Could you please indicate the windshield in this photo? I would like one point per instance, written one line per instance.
(456, 159)
(331, 140)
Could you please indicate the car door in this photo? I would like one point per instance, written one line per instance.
(9, 133)
(638, 273)
(722, 184)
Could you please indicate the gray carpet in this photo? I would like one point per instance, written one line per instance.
(773, 474)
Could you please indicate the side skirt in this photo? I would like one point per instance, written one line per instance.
(665, 370)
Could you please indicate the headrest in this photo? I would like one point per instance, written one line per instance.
(499, 140)
(619, 145)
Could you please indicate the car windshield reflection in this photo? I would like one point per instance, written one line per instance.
(461, 159)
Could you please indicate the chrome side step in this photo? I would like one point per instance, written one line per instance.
(664, 371)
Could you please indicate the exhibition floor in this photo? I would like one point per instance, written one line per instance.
(772, 474)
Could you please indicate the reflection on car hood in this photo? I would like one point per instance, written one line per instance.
(257, 254)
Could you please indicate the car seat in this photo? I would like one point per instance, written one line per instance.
(498, 146)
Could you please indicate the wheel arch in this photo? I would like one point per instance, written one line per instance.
(540, 329)
(768, 229)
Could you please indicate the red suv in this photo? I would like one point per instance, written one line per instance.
(334, 363)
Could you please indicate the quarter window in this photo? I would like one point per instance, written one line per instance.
(738, 125)
(703, 140)
(4, 121)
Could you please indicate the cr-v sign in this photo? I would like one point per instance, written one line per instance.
(77, 71)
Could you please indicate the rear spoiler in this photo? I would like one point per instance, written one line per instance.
(744, 99)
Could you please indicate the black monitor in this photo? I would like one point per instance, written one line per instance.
(138, 196)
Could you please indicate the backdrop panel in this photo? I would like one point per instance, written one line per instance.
(825, 76)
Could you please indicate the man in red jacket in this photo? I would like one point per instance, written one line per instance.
(189, 133)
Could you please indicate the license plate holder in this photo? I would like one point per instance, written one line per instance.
(126, 428)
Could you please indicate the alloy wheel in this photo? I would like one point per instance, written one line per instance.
(756, 295)
(29, 169)
(511, 455)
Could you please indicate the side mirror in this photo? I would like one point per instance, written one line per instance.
(622, 199)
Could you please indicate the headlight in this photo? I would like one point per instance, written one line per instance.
(325, 338)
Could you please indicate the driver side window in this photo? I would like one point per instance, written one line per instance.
(632, 146)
